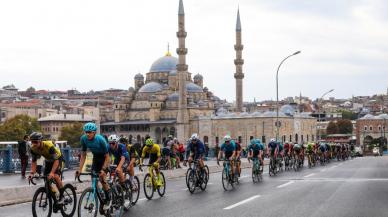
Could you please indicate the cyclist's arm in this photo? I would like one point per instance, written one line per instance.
(83, 155)
(106, 161)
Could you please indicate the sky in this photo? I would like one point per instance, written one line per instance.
(96, 45)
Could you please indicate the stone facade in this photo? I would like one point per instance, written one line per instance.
(371, 127)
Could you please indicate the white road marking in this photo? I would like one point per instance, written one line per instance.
(244, 176)
(309, 175)
(141, 199)
(333, 167)
(242, 202)
(323, 170)
(285, 184)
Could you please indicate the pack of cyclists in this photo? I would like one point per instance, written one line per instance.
(115, 150)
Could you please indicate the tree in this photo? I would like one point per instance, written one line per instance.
(345, 126)
(72, 134)
(332, 128)
(15, 128)
(349, 115)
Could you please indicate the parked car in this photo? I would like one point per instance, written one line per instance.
(376, 151)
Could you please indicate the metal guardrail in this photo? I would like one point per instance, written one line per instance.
(10, 161)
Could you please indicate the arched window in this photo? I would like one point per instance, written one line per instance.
(296, 138)
(205, 139)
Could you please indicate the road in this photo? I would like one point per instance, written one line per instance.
(353, 188)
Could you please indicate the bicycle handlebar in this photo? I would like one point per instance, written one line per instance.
(31, 181)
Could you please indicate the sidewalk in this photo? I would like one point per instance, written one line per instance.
(15, 190)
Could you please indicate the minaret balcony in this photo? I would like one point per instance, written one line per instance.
(238, 75)
(181, 34)
(238, 47)
(238, 61)
(181, 51)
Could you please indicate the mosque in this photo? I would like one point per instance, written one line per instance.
(159, 106)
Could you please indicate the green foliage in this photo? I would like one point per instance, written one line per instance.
(72, 134)
(348, 115)
(15, 128)
(345, 126)
(332, 128)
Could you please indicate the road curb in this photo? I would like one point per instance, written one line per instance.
(23, 194)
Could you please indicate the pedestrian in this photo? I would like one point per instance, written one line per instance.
(23, 155)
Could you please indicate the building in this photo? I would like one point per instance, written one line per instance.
(169, 101)
(52, 125)
(371, 127)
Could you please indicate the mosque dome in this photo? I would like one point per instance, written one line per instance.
(173, 97)
(166, 63)
(151, 87)
(193, 88)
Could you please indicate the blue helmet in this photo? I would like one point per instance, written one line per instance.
(90, 127)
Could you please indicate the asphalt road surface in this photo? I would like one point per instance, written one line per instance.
(354, 188)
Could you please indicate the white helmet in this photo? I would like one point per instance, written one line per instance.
(272, 140)
(227, 138)
(194, 137)
(113, 138)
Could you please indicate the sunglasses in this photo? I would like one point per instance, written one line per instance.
(89, 132)
(34, 141)
(112, 143)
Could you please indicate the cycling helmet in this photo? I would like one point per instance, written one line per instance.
(170, 137)
(36, 136)
(90, 127)
(253, 141)
(227, 138)
(123, 140)
(149, 142)
(113, 138)
(194, 137)
(272, 140)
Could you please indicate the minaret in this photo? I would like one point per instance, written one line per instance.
(239, 75)
(183, 114)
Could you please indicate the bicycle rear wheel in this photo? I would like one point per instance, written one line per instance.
(69, 201)
(226, 181)
(88, 203)
(135, 190)
(42, 204)
(204, 180)
(207, 172)
(162, 188)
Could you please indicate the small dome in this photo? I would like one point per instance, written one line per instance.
(173, 97)
(164, 64)
(287, 109)
(131, 89)
(151, 87)
(382, 116)
(139, 76)
(198, 77)
(368, 116)
(193, 88)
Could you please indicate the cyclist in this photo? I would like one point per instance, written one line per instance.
(322, 149)
(229, 149)
(310, 151)
(195, 150)
(238, 157)
(255, 150)
(120, 156)
(99, 147)
(133, 156)
(53, 161)
(174, 152)
(273, 147)
(155, 156)
(281, 153)
(298, 152)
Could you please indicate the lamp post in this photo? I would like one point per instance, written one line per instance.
(319, 113)
(277, 94)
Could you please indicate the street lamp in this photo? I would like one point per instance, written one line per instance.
(319, 113)
(277, 94)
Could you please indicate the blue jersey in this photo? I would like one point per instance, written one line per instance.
(198, 148)
(272, 145)
(97, 145)
(119, 152)
(228, 148)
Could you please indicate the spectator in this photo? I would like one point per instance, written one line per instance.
(23, 155)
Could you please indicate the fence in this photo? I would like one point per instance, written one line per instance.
(10, 162)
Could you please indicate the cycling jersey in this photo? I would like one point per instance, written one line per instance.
(280, 146)
(228, 149)
(297, 147)
(322, 147)
(309, 148)
(48, 151)
(272, 146)
(256, 148)
(132, 152)
(154, 152)
(286, 147)
(119, 152)
(98, 145)
(197, 149)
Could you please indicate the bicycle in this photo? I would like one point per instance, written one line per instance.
(310, 160)
(187, 172)
(44, 197)
(228, 180)
(196, 177)
(298, 163)
(272, 166)
(150, 183)
(256, 171)
(287, 162)
(94, 196)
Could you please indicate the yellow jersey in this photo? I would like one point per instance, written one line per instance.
(48, 151)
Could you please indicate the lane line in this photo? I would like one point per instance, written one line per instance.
(333, 167)
(242, 202)
(309, 175)
(323, 170)
(285, 184)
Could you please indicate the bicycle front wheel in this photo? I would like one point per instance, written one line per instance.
(226, 181)
(69, 201)
(204, 180)
(88, 203)
(148, 186)
(192, 181)
(41, 203)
